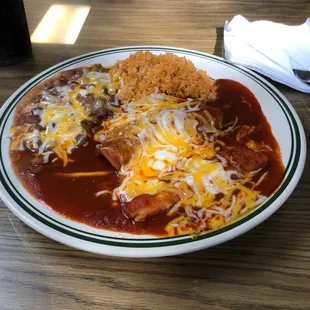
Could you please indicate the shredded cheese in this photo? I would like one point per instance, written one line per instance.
(82, 174)
(170, 153)
(60, 116)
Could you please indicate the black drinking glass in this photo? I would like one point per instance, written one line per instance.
(15, 45)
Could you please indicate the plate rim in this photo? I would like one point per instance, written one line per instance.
(178, 241)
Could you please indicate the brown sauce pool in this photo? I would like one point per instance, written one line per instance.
(74, 198)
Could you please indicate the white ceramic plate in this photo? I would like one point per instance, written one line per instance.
(286, 128)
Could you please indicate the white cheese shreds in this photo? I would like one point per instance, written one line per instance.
(60, 115)
(103, 192)
(172, 151)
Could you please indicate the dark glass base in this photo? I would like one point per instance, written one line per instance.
(14, 61)
(15, 45)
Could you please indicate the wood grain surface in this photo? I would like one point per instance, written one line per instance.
(267, 268)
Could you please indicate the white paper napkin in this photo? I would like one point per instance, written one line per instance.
(269, 48)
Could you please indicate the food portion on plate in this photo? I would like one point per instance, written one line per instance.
(150, 145)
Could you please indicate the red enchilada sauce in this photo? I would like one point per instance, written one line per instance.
(74, 198)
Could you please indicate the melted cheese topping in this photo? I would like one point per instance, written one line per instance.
(174, 150)
(60, 117)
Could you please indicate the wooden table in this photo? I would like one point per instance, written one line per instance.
(267, 268)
